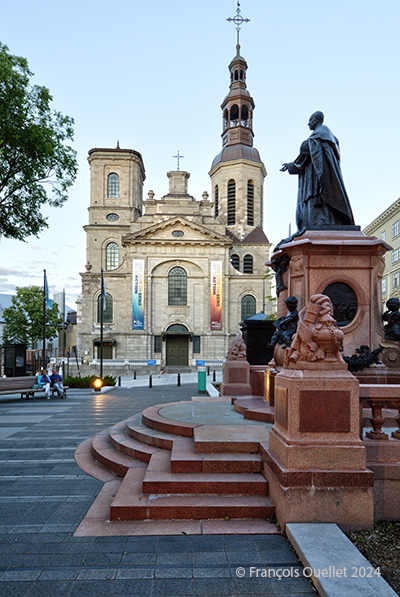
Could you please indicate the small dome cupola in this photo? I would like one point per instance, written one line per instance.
(238, 68)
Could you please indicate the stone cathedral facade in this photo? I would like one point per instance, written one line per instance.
(180, 273)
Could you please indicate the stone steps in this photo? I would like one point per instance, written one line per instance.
(185, 460)
(137, 430)
(130, 447)
(160, 479)
(152, 419)
(111, 459)
(254, 408)
(131, 504)
(175, 470)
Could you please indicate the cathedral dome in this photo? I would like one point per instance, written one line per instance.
(236, 152)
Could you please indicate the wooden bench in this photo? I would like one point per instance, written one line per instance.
(23, 386)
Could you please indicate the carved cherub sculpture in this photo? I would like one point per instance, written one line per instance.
(286, 326)
(317, 338)
(392, 316)
(237, 349)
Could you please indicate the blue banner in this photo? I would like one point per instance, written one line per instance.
(137, 294)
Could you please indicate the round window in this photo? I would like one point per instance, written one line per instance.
(344, 302)
(177, 233)
(112, 217)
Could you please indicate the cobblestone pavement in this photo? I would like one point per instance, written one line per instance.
(44, 495)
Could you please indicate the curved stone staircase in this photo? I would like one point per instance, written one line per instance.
(180, 470)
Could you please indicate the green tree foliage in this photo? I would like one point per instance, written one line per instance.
(24, 318)
(36, 168)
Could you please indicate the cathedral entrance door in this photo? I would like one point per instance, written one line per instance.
(177, 351)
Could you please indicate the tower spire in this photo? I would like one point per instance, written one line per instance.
(238, 20)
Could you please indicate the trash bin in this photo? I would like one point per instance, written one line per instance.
(201, 380)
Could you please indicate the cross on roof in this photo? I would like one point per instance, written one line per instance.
(178, 157)
(238, 20)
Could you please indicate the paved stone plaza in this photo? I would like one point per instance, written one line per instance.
(44, 496)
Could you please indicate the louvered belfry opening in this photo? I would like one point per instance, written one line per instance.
(231, 202)
(250, 203)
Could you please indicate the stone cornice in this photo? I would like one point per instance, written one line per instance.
(140, 235)
(383, 218)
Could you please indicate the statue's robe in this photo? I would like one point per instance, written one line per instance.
(322, 198)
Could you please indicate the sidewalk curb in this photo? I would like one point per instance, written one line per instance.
(326, 549)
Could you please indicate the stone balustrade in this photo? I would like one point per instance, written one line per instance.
(379, 397)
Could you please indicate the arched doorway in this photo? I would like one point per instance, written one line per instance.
(177, 346)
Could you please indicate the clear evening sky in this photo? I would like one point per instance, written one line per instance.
(153, 75)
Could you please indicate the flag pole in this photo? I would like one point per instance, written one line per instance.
(102, 306)
(44, 316)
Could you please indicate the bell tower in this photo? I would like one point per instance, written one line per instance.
(237, 172)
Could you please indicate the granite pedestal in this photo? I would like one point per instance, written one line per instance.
(316, 461)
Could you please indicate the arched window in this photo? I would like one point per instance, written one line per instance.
(244, 115)
(216, 202)
(112, 256)
(248, 307)
(108, 311)
(250, 203)
(113, 186)
(248, 264)
(225, 119)
(231, 202)
(235, 261)
(177, 286)
(234, 115)
(236, 75)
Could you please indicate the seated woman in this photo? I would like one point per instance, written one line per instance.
(57, 383)
(44, 382)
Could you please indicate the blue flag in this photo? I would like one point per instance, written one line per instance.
(49, 302)
(103, 292)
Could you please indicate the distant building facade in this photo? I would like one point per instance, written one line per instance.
(180, 274)
(387, 227)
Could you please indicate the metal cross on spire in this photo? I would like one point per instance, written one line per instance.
(238, 20)
(178, 157)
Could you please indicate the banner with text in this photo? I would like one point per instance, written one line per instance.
(137, 295)
(216, 295)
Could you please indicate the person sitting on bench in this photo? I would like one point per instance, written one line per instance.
(44, 382)
(57, 383)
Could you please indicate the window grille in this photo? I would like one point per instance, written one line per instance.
(235, 262)
(112, 256)
(196, 344)
(108, 311)
(231, 202)
(248, 306)
(250, 203)
(113, 186)
(177, 286)
(248, 264)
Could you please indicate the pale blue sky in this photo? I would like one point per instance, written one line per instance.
(153, 75)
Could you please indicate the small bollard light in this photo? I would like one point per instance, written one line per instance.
(98, 384)
(179, 380)
(150, 381)
(208, 370)
(214, 377)
(134, 374)
(119, 381)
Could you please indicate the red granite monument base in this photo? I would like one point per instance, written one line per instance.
(316, 461)
(236, 376)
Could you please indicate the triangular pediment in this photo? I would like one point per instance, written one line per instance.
(163, 232)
